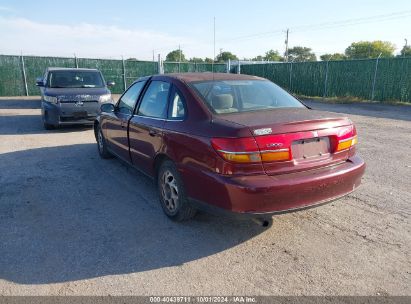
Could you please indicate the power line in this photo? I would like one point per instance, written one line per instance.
(327, 25)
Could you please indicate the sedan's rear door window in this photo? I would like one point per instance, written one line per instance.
(177, 110)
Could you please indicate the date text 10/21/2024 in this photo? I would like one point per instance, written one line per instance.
(203, 299)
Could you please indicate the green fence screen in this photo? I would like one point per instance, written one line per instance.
(123, 73)
(390, 78)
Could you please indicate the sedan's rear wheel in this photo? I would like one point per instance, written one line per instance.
(172, 195)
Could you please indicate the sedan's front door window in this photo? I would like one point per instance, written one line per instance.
(128, 100)
(154, 102)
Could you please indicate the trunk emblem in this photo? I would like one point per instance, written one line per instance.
(263, 131)
(79, 103)
(274, 145)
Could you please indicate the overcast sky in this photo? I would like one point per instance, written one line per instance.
(111, 29)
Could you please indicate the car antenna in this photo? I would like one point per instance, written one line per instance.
(214, 51)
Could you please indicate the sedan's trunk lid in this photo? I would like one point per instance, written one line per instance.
(309, 136)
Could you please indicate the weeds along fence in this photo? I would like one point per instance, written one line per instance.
(384, 79)
(18, 73)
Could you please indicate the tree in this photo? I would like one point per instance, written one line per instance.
(258, 58)
(301, 53)
(176, 56)
(272, 55)
(335, 56)
(370, 49)
(208, 60)
(196, 59)
(406, 51)
(225, 56)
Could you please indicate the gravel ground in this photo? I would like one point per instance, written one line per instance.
(74, 224)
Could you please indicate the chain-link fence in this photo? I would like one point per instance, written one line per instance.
(384, 79)
(18, 73)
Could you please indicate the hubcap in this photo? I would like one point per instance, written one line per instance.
(169, 191)
(100, 141)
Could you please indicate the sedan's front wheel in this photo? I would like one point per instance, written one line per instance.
(172, 195)
(102, 146)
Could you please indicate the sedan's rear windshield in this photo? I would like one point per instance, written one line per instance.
(75, 79)
(231, 96)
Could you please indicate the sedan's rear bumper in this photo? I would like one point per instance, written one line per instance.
(264, 195)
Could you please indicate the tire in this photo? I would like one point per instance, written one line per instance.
(102, 145)
(172, 195)
(48, 126)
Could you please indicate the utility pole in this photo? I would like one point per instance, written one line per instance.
(153, 56)
(286, 45)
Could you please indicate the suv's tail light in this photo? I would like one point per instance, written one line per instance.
(347, 138)
(246, 150)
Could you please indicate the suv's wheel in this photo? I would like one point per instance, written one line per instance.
(48, 126)
(101, 145)
(172, 195)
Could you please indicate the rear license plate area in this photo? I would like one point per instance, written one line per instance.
(311, 148)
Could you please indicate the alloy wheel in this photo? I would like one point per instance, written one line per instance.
(169, 191)
(100, 141)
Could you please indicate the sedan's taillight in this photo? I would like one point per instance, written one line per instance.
(246, 150)
(238, 150)
(347, 138)
(278, 147)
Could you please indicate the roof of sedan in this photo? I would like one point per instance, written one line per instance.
(193, 77)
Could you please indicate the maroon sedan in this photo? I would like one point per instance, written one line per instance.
(225, 142)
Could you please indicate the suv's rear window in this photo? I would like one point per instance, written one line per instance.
(233, 96)
(75, 79)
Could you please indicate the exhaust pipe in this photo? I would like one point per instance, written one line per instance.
(261, 222)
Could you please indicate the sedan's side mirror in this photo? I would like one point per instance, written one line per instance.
(39, 82)
(107, 108)
(111, 84)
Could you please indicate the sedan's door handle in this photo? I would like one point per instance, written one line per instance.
(123, 124)
(152, 132)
